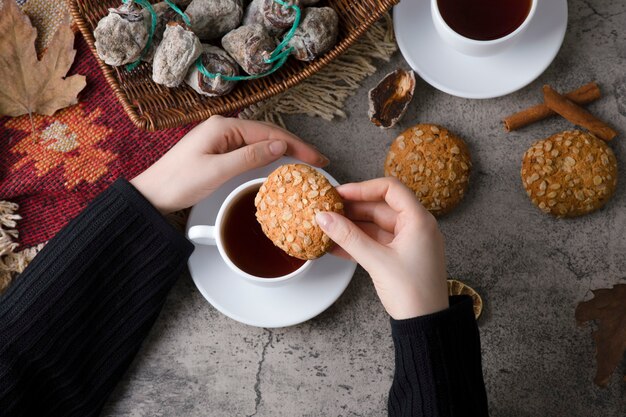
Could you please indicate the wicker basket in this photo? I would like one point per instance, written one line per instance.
(153, 107)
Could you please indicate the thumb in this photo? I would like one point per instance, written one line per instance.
(351, 239)
(250, 156)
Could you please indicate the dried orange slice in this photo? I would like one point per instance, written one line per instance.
(458, 288)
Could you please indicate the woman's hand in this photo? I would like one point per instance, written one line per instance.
(398, 243)
(211, 154)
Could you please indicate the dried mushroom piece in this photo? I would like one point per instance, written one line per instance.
(250, 46)
(216, 61)
(316, 34)
(178, 50)
(278, 16)
(122, 35)
(212, 19)
(389, 100)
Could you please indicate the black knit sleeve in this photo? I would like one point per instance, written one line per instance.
(74, 319)
(438, 365)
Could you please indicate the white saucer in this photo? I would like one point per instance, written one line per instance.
(295, 302)
(472, 77)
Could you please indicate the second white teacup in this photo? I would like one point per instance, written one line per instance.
(474, 47)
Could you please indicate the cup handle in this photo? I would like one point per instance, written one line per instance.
(202, 235)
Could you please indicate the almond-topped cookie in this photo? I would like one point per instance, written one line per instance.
(286, 205)
(569, 174)
(434, 163)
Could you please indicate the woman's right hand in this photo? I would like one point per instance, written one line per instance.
(398, 243)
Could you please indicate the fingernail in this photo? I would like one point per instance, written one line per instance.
(323, 160)
(325, 220)
(278, 147)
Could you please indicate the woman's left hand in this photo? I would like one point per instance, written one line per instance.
(211, 154)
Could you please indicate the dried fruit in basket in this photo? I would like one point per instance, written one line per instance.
(211, 19)
(122, 35)
(254, 15)
(250, 46)
(178, 50)
(316, 34)
(277, 15)
(164, 14)
(216, 61)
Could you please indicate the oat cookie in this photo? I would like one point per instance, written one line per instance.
(286, 206)
(569, 174)
(434, 163)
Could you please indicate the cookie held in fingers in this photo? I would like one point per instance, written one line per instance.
(286, 205)
(434, 163)
(569, 174)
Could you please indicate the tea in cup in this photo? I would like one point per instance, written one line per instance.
(481, 27)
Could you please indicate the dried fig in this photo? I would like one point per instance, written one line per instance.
(389, 100)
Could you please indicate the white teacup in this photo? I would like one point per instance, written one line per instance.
(212, 235)
(475, 47)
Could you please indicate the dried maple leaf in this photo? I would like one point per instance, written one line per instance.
(608, 309)
(29, 85)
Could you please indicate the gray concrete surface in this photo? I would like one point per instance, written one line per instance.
(531, 270)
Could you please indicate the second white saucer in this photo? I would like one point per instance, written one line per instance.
(474, 77)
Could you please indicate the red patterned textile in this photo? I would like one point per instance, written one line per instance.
(72, 156)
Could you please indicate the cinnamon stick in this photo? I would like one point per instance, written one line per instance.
(576, 114)
(583, 95)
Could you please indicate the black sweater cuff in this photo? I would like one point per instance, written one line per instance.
(438, 364)
(153, 216)
(460, 308)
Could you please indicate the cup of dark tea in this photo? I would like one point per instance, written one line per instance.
(482, 27)
(242, 244)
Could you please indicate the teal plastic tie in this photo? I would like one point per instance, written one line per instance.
(208, 74)
(278, 56)
(146, 5)
(174, 7)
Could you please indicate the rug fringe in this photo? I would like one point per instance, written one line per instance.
(8, 230)
(324, 94)
(11, 261)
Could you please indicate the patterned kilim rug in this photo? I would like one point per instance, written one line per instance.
(47, 177)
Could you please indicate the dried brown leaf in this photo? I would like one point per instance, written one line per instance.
(29, 85)
(608, 309)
